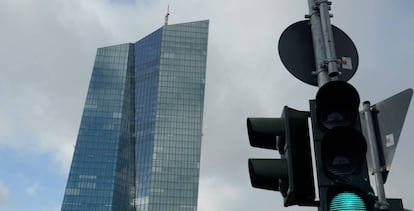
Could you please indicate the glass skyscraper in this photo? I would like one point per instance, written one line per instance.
(139, 141)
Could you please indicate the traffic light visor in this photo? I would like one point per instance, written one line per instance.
(337, 104)
(263, 132)
(267, 173)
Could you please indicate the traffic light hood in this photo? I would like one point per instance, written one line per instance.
(337, 104)
(263, 132)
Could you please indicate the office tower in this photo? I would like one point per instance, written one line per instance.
(139, 141)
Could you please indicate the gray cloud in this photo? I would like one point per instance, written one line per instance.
(48, 49)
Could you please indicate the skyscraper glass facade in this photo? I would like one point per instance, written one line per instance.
(139, 141)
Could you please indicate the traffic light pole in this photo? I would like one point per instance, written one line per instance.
(323, 42)
(331, 96)
(338, 127)
(382, 203)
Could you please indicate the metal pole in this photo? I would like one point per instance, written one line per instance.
(318, 43)
(382, 203)
(323, 42)
(331, 60)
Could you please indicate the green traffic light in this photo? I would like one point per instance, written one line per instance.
(347, 201)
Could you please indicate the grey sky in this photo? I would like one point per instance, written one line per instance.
(47, 50)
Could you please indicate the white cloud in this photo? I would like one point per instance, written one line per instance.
(4, 194)
(33, 189)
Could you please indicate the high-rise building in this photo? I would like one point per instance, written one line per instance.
(139, 141)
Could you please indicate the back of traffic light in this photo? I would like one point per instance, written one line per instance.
(340, 149)
(292, 174)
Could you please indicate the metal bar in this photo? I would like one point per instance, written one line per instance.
(372, 146)
(327, 34)
(318, 44)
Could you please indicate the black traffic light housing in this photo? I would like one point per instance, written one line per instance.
(292, 175)
(340, 149)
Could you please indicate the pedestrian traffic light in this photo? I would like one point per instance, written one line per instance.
(292, 174)
(340, 149)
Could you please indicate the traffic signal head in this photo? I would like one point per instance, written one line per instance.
(340, 149)
(292, 175)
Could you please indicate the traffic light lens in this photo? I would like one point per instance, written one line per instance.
(336, 118)
(347, 201)
(340, 160)
(342, 165)
(343, 151)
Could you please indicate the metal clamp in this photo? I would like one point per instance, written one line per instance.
(315, 12)
(337, 61)
(318, 2)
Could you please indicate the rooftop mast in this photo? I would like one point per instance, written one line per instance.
(166, 16)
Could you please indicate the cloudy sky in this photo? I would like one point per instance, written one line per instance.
(47, 49)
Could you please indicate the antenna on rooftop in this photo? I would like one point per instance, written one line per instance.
(168, 14)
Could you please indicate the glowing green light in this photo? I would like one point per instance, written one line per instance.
(347, 201)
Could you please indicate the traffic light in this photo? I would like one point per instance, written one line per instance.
(292, 174)
(340, 149)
